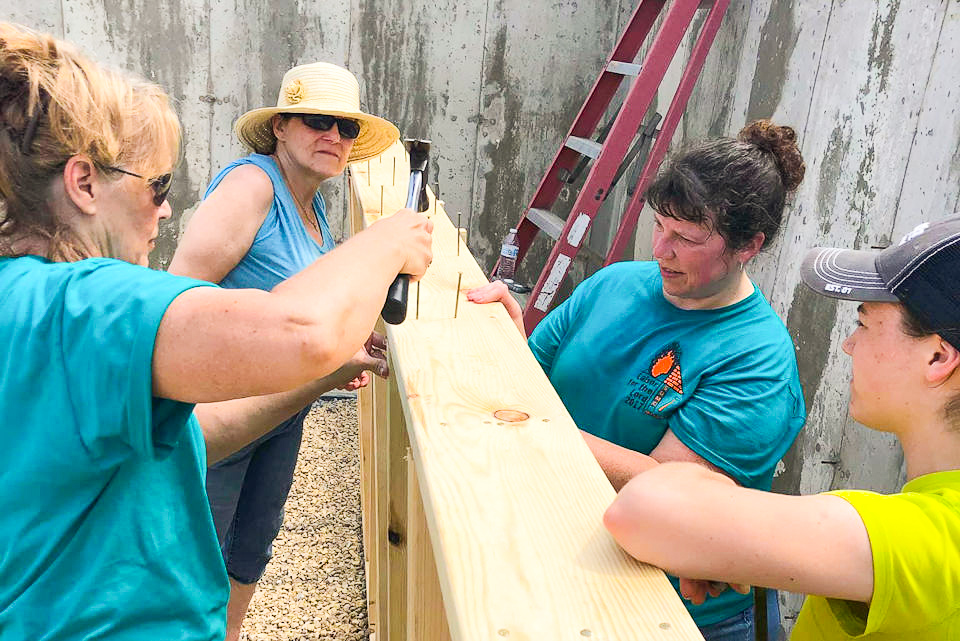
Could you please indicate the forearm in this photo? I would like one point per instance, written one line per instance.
(340, 301)
(618, 463)
(515, 312)
(219, 344)
(230, 425)
(651, 515)
(700, 524)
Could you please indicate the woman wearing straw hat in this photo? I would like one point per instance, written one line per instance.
(263, 220)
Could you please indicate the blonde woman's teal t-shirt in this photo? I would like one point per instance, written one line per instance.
(105, 529)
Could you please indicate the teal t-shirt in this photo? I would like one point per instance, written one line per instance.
(105, 530)
(628, 365)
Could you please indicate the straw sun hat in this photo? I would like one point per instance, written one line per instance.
(318, 88)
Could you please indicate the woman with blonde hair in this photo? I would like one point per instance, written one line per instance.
(105, 529)
(263, 220)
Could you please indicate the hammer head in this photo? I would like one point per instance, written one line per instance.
(419, 151)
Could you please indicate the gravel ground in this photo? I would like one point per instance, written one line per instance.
(314, 586)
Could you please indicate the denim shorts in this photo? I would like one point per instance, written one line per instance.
(740, 626)
(247, 491)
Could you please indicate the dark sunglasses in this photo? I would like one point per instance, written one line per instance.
(348, 128)
(160, 185)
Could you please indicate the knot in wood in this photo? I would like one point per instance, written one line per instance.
(511, 416)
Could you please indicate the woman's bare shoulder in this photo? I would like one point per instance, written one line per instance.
(246, 178)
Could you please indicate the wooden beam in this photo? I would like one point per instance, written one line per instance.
(396, 462)
(378, 596)
(368, 475)
(365, 415)
(426, 619)
(512, 496)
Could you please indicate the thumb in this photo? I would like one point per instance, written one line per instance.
(376, 365)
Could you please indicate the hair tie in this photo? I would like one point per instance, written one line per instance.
(31, 131)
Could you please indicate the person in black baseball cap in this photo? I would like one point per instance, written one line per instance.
(882, 567)
(922, 271)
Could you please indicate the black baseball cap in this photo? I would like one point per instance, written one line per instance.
(922, 271)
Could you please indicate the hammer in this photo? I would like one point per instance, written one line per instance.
(395, 308)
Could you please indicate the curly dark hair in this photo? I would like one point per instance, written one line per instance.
(737, 186)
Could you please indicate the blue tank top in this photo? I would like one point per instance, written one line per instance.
(282, 246)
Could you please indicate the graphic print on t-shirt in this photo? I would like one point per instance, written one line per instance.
(659, 385)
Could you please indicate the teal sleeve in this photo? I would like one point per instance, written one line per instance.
(111, 312)
(549, 334)
(741, 423)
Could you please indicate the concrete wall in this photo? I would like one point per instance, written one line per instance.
(494, 84)
(870, 86)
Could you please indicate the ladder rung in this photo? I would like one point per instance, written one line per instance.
(584, 146)
(623, 68)
(549, 223)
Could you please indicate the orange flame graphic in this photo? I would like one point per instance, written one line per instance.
(662, 365)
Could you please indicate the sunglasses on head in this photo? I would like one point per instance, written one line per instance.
(348, 128)
(160, 185)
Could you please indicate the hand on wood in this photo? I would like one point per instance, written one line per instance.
(696, 590)
(497, 292)
(371, 358)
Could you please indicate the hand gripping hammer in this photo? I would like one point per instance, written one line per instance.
(395, 308)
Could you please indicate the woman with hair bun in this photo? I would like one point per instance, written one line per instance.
(105, 528)
(681, 358)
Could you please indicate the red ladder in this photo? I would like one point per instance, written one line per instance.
(609, 157)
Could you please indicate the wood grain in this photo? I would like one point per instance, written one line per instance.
(396, 463)
(426, 619)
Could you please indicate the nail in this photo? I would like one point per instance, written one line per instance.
(417, 317)
(459, 213)
(381, 200)
(456, 305)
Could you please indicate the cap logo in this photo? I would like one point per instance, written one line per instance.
(916, 231)
(839, 289)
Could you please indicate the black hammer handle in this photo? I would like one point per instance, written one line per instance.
(395, 307)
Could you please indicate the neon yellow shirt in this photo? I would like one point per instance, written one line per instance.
(915, 542)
